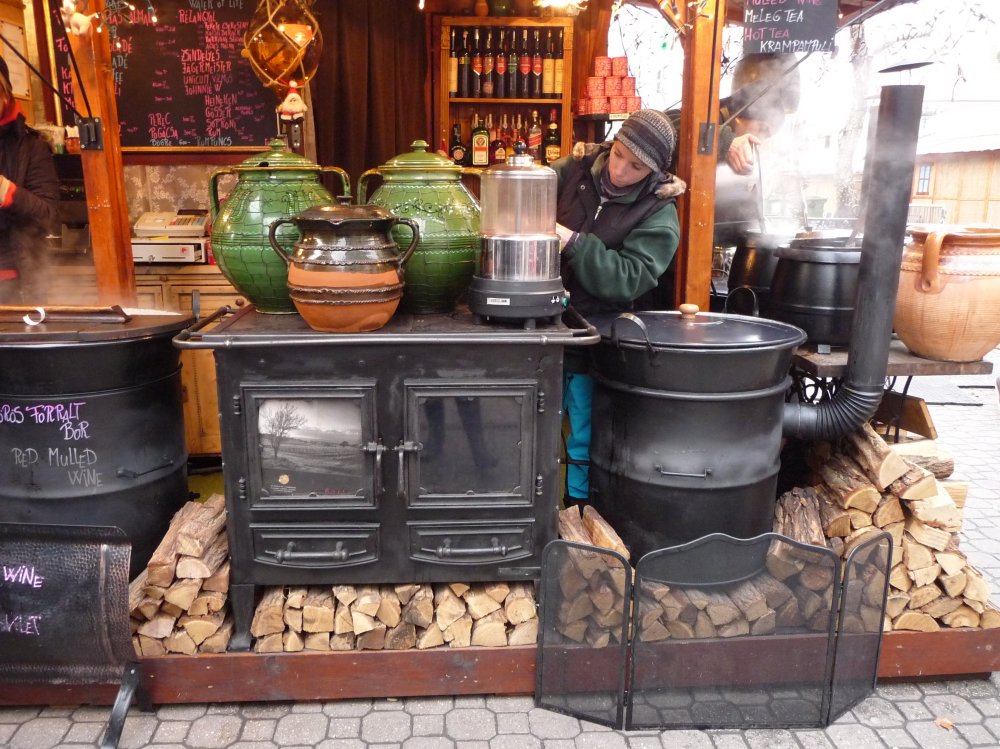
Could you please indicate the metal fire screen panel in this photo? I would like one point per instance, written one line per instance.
(723, 633)
(425, 451)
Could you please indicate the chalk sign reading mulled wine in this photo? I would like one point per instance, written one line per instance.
(182, 81)
(789, 25)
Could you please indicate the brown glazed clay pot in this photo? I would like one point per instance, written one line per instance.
(345, 273)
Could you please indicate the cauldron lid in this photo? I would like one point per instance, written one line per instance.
(697, 330)
(31, 326)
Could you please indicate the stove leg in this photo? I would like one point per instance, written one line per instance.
(241, 604)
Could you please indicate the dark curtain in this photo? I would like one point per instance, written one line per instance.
(368, 94)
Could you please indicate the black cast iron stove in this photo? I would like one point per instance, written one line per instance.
(426, 451)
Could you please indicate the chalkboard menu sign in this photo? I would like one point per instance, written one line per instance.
(182, 82)
(789, 25)
(63, 603)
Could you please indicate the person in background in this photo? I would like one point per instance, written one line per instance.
(763, 94)
(618, 230)
(29, 199)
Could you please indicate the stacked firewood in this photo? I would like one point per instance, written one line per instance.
(394, 617)
(865, 486)
(177, 604)
(591, 601)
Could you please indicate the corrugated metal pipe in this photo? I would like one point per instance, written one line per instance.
(888, 200)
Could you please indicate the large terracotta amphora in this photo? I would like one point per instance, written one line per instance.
(345, 273)
(427, 188)
(271, 185)
(948, 305)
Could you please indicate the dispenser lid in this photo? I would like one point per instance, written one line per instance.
(336, 214)
(421, 157)
(278, 155)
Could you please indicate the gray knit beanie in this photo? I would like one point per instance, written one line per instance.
(650, 136)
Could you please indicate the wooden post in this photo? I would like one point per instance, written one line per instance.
(699, 105)
(103, 175)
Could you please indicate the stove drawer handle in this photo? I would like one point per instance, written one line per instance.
(703, 475)
(401, 449)
(444, 551)
(288, 554)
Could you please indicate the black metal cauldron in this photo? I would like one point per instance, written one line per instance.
(688, 412)
(91, 423)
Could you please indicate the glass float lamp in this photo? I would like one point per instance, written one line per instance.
(283, 44)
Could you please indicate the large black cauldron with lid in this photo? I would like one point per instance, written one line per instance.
(687, 423)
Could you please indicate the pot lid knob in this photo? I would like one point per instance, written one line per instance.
(688, 311)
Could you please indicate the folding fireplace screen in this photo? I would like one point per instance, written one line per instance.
(721, 632)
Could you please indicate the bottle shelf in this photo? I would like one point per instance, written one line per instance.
(481, 100)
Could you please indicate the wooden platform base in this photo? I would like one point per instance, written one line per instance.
(249, 677)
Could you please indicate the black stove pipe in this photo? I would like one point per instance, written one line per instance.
(887, 203)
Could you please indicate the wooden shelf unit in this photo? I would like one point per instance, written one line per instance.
(449, 110)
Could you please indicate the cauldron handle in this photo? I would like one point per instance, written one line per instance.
(753, 296)
(642, 326)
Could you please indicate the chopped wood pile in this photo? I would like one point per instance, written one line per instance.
(394, 617)
(591, 585)
(865, 486)
(178, 603)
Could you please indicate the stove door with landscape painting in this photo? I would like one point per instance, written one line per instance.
(313, 481)
(466, 466)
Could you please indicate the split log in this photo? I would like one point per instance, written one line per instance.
(954, 585)
(938, 511)
(735, 628)
(158, 627)
(889, 511)
(405, 592)
(368, 600)
(317, 610)
(207, 602)
(925, 575)
(835, 519)
(200, 628)
(895, 604)
(479, 604)
(915, 555)
(182, 593)
(915, 621)
(519, 606)
(179, 641)
(362, 622)
(268, 617)
(218, 582)
(219, 642)
(749, 600)
(497, 591)
(150, 646)
(859, 518)
(343, 621)
(941, 466)
(401, 637)
(448, 607)
(419, 610)
(927, 535)
(292, 641)
(430, 637)
(797, 517)
(459, 589)
(957, 490)
(989, 618)
(373, 639)
(920, 597)
(137, 592)
(976, 587)
(848, 484)
(942, 607)
(389, 609)
(654, 632)
(202, 526)
(703, 627)
(317, 641)
(171, 608)
(962, 617)
(601, 533)
(292, 617)
(459, 632)
(490, 630)
(524, 633)
(775, 592)
(677, 606)
(345, 594)
(206, 564)
(163, 562)
(295, 597)
(880, 463)
(571, 528)
(916, 483)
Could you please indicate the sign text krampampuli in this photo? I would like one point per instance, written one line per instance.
(789, 25)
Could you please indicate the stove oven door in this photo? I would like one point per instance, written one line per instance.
(466, 468)
(313, 453)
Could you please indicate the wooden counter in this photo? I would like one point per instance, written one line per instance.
(901, 363)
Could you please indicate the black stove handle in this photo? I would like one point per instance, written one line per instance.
(401, 449)
(376, 449)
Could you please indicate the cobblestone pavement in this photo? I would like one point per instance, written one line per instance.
(900, 714)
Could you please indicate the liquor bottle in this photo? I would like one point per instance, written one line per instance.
(457, 149)
(475, 67)
(535, 136)
(480, 142)
(452, 65)
(557, 81)
(490, 128)
(524, 68)
(498, 148)
(519, 142)
(536, 69)
(463, 68)
(513, 61)
(500, 71)
(551, 145)
(548, 68)
(505, 133)
(488, 85)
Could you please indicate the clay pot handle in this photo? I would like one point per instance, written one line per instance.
(271, 237)
(413, 242)
(362, 190)
(929, 279)
(213, 184)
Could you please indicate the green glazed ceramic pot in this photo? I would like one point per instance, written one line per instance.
(427, 188)
(271, 185)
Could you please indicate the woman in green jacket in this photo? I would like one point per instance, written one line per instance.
(617, 222)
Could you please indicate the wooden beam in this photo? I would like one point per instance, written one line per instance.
(103, 175)
(699, 106)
